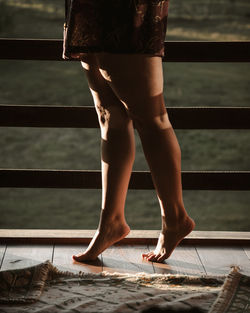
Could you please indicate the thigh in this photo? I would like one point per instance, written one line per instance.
(99, 87)
(137, 80)
(109, 108)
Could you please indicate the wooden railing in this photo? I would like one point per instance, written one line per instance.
(179, 51)
(85, 117)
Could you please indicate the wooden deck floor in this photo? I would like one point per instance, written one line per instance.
(190, 260)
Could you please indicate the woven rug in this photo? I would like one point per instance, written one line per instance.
(43, 288)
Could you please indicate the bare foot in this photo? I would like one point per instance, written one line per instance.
(169, 240)
(104, 237)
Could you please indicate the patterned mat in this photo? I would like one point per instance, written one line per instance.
(43, 288)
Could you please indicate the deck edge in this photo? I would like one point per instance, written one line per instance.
(67, 236)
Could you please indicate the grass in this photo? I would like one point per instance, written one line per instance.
(63, 83)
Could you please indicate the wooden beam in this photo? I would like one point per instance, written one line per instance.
(207, 51)
(31, 49)
(176, 51)
(48, 116)
(69, 236)
(78, 179)
(85, 117)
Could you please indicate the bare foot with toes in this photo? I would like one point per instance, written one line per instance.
(169, 240)
(104, 237)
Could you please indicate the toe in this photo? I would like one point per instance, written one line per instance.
(77, 257)
(152, 258)
(161, 258)
(147, 255)
(74, 257)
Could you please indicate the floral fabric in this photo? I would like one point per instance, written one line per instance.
(116, 26)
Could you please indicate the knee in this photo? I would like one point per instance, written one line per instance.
(112, 117)
(146, 123)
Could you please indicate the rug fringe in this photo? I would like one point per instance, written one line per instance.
(228, 289)
(46, 272)
(141, 277)
(40, 276)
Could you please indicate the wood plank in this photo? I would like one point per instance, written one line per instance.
(126, 259)
(19, 256)
(177, 51)
(72, 236)
(2, 251)
(207, 51)
(62, 259)
(184, 261)
(48, 116)
(223, 235)
(247, 251)
(90, 179)
(86, 117)
(50, 234)
(218, 260)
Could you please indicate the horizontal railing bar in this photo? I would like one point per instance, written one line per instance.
(85, 117)
(48, 116)
(79, 179)
(207, 51)
(135, 237)
(176, 51)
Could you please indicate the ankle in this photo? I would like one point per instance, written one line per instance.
(174, 221)
(112, 218)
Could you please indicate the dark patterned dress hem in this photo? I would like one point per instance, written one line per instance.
(115, 26)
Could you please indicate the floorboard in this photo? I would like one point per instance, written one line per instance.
(184, 260)
(247, 251)
(62, 259)
(2, 250)
(219, 260)
(20, 256)
(126, 259)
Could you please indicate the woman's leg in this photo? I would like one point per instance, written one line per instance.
(117, 157)
(137, 80)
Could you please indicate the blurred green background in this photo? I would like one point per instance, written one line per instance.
(64, 83)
